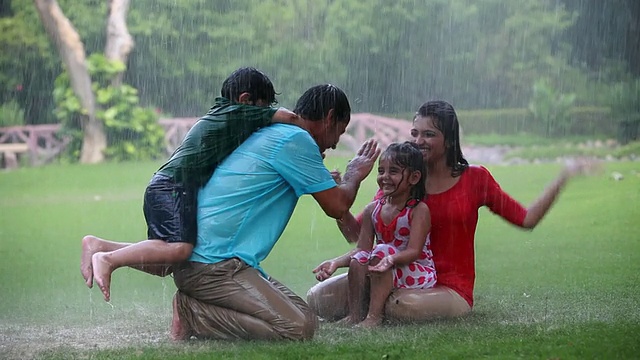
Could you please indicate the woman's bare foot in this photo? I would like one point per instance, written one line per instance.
(178, 330)
(370, 322)
(102, 270)
(90, 245)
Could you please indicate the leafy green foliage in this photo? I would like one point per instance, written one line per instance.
(551, 108)
(133, 132)
(11, 114)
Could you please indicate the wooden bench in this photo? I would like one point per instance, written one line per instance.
(10, 153)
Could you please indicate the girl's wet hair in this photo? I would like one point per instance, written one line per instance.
(407, 155)
(445, 119)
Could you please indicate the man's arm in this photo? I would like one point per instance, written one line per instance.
(336, 201)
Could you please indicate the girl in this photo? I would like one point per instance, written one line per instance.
(400, 223)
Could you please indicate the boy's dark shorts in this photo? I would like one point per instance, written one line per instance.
(170, 210)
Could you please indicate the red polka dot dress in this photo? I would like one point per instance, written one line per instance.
(393, 238)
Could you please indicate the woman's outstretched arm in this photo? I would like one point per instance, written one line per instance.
(539, 208)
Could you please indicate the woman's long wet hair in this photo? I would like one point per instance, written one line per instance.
(407, 155)
(445, 119)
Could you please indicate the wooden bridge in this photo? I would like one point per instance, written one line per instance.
(42, 143)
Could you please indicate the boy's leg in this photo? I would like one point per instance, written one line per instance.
(169, 210)
(149, 256)
(231, 300)
(91, 245)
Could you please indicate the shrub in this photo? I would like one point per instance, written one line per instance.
(133, 132)
(11, 114)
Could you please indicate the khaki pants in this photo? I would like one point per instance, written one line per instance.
(328, 300)
(231, 300)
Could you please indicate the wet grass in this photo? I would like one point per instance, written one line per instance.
(569, 289)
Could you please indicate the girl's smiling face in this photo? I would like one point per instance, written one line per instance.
(392, 178)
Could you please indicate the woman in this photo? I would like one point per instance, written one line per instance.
(455, 191)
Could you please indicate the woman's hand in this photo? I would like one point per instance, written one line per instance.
(325, 270)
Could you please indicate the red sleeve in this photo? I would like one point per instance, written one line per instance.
(378, 196)
(498, 201)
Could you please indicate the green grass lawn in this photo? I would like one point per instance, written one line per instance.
(569, 289)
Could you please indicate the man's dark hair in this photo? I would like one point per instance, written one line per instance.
(249, 80)
(316, 102)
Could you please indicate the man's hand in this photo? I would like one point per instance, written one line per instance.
(362, 164)
(325, 270)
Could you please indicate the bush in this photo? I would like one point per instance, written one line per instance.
(11, 114)
(133, 132)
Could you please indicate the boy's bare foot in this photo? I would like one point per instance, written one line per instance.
(102, 270)
(89, 247)
(370, 322)
(178, 330)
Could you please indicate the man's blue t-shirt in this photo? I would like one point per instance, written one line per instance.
(247, 203)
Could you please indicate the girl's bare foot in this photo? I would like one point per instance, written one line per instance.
(102, 270)
(89, 247)
(347, 321)
(370, 322)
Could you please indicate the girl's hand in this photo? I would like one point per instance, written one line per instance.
(385, 264)
(325, 270)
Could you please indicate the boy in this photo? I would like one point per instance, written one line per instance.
(171, 196)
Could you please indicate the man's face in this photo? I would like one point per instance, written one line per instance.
(330, 133)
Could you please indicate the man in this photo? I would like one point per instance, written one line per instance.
(242, 211)
(170, 198)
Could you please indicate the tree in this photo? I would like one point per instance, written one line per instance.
(71, 50)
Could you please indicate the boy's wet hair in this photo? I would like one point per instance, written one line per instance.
(445, 119)
(249, 80)
(316, 102)
(407, 155)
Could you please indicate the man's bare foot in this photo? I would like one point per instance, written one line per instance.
(102, 270)
(178, 331)
(89, 247)
(370, 322)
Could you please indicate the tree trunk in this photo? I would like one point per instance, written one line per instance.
(119, 41)
(71, 50)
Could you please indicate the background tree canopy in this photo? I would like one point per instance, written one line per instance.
(388, 56)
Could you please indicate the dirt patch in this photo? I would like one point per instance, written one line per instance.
(20, 341)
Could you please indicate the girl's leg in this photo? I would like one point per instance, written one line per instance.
(381, 286)
(358, 290)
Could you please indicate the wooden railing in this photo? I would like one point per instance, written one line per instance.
(44, 142)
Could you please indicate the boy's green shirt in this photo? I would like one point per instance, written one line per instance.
(213, 138)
